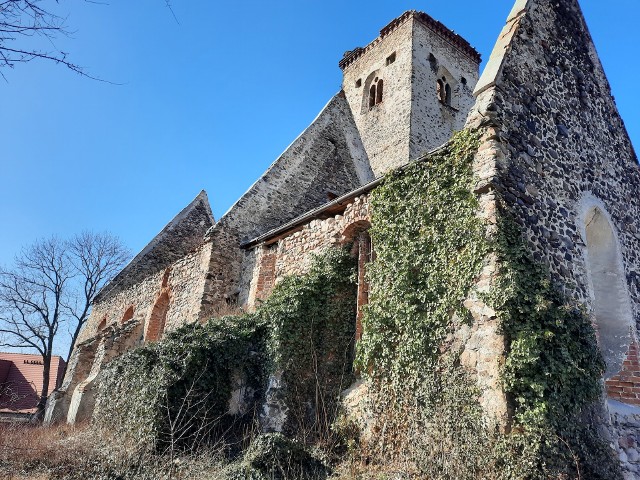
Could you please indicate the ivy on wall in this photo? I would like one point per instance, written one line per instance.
(173, 393)
(160, 395)
(430, 249)
(311, 322)
(553, 367)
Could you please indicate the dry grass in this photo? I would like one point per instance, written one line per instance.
(31, 451)
(65, 452)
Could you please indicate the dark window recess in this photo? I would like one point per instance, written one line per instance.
(443, 91)
(376, 92)
(391, 58)
(433, 62)
(358, 83)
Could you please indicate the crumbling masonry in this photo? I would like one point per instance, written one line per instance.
(554, 149)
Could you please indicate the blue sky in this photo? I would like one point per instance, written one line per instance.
(207, 103)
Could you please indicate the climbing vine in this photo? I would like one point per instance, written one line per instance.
(160, 395)
(312, 328)
(173, 393)
(431, 247)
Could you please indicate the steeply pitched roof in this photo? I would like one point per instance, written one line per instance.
(327, 158)
(181, 236)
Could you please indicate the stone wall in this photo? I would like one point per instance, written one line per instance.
(184, 281)
(385, 128)
(558, 155)
(325, 161)
(292, 255)
(434, 56)
(142, 312)
(411, 53)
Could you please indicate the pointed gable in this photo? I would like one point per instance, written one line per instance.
(559, 157)
(547, 79)
(181, 236)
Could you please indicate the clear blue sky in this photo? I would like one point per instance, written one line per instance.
(207, 103)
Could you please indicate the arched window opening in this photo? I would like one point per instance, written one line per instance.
(362, 249)
(372, 96)
(155, 327)
(611, 301)
(128, 315)
(440, 90)
(379, 91)
(443, 91)
(376, 92)
(102, 325)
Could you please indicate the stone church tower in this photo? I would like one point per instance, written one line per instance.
(410, 89)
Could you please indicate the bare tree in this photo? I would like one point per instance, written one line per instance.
(29, 22)
(29, 29)
(95, 259)
(52, 284)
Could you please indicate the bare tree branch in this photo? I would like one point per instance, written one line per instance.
(29, 28)
(54, 283)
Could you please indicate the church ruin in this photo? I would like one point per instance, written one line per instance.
(554, 149)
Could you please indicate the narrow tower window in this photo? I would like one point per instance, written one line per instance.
(443, 91)
(391, 58)
(379, 91)
(376, 92)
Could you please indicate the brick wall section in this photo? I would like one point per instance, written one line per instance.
(625, 387)
(266, 272)
(292, 255)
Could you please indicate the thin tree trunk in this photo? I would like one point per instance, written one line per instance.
(42, 402)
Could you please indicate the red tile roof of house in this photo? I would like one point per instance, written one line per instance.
(21, 381)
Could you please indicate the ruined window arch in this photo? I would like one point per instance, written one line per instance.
(372, 96)
(102, 325)
(610, 294)
(128, 315)
(362, 249)
(440, 90)
(158, 319)
(445, 87)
